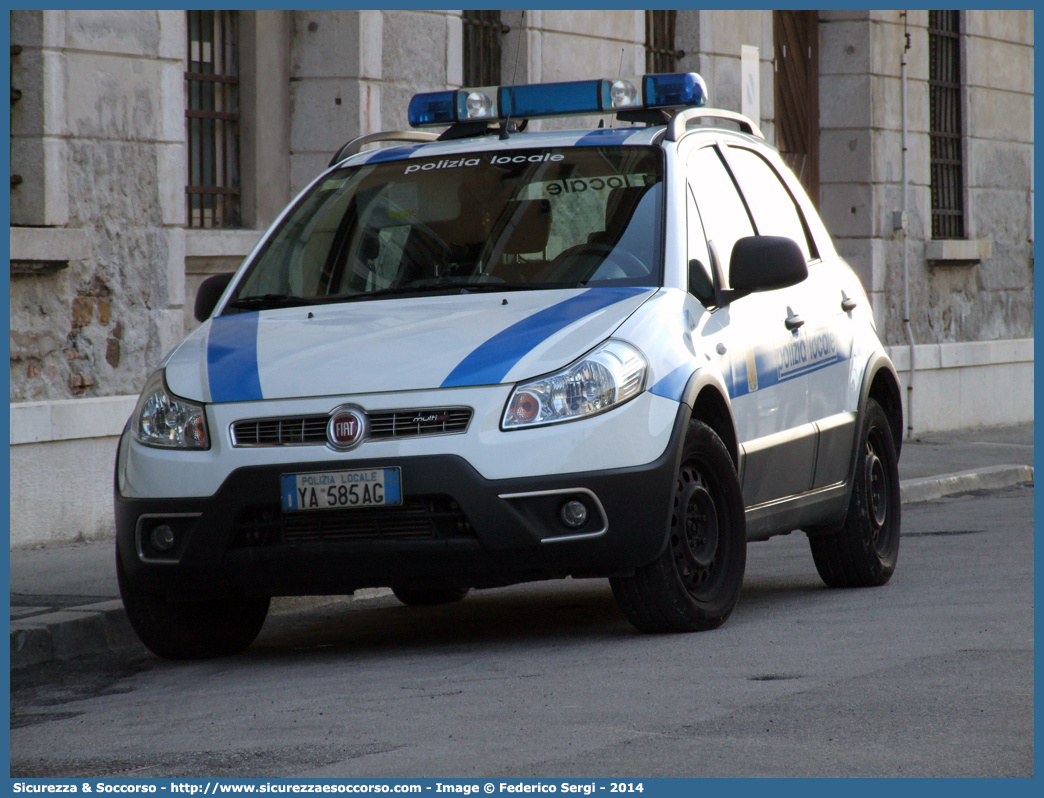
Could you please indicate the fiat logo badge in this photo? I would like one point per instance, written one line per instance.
(345, 428)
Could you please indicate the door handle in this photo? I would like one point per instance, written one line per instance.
(793, 320)
(847, 303)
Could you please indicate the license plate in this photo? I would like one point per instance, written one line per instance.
(335, 490)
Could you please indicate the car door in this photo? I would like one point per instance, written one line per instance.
(823, 343)
(769, 398)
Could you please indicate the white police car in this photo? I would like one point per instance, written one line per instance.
(474, 359)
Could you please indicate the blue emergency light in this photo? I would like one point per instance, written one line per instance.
(571, 98)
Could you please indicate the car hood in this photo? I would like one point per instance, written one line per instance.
(395, 344)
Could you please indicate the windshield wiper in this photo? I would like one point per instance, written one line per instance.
(426, 288)
(268, 301)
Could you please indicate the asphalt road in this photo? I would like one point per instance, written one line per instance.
(931, 675)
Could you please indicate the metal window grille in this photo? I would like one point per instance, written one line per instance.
(483, 32)
(944, 99)
(660, 52)
(212, 118)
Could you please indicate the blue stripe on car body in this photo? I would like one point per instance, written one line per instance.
(393, 153)
(672, 385)
(490, 362)
(232, 358)
(604, 137)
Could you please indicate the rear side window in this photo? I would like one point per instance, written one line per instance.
(724, 216)
(770, 203)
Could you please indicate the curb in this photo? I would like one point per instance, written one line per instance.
(928, 488)
(103, 628)
(100, 628)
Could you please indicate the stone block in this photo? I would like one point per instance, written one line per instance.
(27, 75)
(171, 168)
(569, 57)
(170, 122)
(887, 100)
(54, 122)
(326, 43)
(999, 65)
(999, 214)
(965, 250)
(371, 47)
(723, 32)
(722, 74)
(1010, 26)
(887, 43)
(844, 48)
(221, 243)
(844, 101)
(618, 25)
(888, 157)
(1001, 115)
(83, 509)
(304, 167)
(845, 156)
(173, 35)
(173, 294)
(934, 405)
(109, 97)
(839, 15)
(996, 394)
(415, 49)
(325, 114)
(27, 27)
(999, 164)
(847, 209)
(126, 32)
(48, 243)
(858, 253)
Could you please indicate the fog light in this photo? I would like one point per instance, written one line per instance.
(163, 538)
(574, 514)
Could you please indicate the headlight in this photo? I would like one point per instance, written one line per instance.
(608, 376)
(164, 420)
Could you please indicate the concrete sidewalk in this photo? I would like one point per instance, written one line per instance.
(65, 600)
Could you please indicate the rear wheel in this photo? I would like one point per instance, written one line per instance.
(194, 629)
(429, 597)
(864, 551)
(695, 583)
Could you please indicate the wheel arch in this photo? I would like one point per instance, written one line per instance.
(881, 383)
(706, 394)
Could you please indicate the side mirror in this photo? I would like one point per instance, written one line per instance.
(700, 285)
(763, 263)
(210, 291)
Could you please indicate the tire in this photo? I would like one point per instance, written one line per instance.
(430, 597)
(695, 583)
(191, 630)
(864, 551)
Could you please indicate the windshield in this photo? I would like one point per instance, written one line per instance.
(504, 220)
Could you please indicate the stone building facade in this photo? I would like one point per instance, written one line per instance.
(105, 260)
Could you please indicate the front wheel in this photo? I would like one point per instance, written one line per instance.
(193, 629)
(864, 551)
(695, 583)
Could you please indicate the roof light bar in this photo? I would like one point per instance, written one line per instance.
(571, 98)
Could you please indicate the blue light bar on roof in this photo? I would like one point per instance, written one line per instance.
(571, 98)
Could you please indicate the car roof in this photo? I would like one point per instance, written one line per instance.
(598, 137)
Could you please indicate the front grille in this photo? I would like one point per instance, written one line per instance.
(410, 423)
(383, 424)
(293, 431)
(418, 518)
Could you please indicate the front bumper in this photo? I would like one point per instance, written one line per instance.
(456, 528)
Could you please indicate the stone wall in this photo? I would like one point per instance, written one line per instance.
(959, 291)
(100, 324)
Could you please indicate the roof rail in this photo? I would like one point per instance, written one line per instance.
(355, 145)
(676, 129)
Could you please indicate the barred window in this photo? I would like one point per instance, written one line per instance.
(660, 53)
(483, 32)
(944, 100)
(212, 119)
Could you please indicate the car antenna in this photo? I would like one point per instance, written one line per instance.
(504, 128)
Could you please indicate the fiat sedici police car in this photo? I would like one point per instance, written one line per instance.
(482, 356)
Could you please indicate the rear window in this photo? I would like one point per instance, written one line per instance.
(539, 218)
